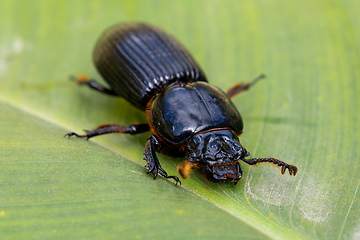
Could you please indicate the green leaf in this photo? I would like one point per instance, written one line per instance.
(306, 113)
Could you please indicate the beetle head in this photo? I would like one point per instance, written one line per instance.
(215, 154)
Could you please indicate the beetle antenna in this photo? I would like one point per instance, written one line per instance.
(292, 169)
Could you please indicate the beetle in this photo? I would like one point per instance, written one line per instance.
(187, 117)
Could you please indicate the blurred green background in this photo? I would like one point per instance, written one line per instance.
(306, 112)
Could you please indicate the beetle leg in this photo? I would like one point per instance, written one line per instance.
(240, 87)
(153, 163)
(292, 168)
(83, 80)
(112, 128)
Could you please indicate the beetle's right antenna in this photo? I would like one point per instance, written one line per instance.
(240, 87)
(292, 168)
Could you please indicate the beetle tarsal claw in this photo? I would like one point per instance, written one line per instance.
(70, 134)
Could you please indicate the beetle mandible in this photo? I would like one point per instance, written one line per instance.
(186, 115)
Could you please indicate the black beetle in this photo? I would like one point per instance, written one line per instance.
(186, 115)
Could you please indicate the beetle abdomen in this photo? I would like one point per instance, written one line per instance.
(138, 60)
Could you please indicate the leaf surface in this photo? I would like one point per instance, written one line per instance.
(306, 113)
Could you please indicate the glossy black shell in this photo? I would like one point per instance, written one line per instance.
(182, 110)
(138, 60)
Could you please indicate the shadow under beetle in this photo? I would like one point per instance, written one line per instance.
(186, 115)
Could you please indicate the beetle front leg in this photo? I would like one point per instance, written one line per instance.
(240, 87)
(111, 128)
(153, 163)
